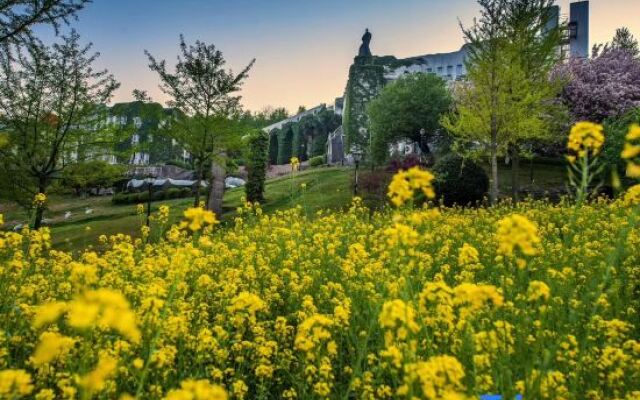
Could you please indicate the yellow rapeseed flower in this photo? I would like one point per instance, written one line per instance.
(538, 290)
(95, 380)
(103, 308)
(631, 152)
(440, 377)
(39, 199)
(632, 197)
(51, 346)
(586, 138)
(467, 255)
(405, 183)
(517, 232)
(295, 163)
(163, 214)
(14, 383)
(191, 389)
(197, 218)
(398, 315)
(312, 332)
(48, 313)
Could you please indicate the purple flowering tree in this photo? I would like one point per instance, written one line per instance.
(607, 85)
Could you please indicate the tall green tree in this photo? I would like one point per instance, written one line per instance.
(51, 113)
(91, 174)
(202, 89)
(534, 35)
(265, 117)
(509, 97)
(409, 108)
(256, 161)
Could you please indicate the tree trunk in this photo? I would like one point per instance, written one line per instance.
(531, 178)
(218, 175)
(196, 190)
(515, 173)
(493, 190)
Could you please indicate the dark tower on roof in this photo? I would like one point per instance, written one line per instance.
(579, 29)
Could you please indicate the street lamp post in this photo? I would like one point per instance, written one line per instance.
(149, 182)
(357, 156)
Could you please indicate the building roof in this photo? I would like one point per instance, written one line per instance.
(295, 118)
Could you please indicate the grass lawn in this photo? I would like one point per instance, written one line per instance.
(326, 188)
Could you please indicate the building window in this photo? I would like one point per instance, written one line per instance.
(449, 70)
(440, 70)
(429, 70)
(459, 70)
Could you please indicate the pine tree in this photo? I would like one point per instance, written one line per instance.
(624, 40)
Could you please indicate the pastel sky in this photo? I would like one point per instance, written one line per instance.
(303, 47)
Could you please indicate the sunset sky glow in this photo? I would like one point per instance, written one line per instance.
(303, 47)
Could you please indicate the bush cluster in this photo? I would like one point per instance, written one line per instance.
(143, 197)
(317, 161)
(460, 181)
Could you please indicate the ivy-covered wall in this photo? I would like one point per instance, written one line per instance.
(273, 146)
(160, 148)
(304, 139)
(285, 144)
(366, 80)
(369, 74)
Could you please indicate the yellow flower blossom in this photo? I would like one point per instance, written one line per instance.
(312, 332)
(586, 138)
(103, 308)
(439, 377)
(48, 313)
(631, 151)
(405, 183)
(538, 291)
(400, 316)
(39, 200)
(15, 383)
(632, 197)
(51, 346)
(295, 163)
(191, 389)
(468, 255)
(517, 232)
(95, 380)
(197, 218)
